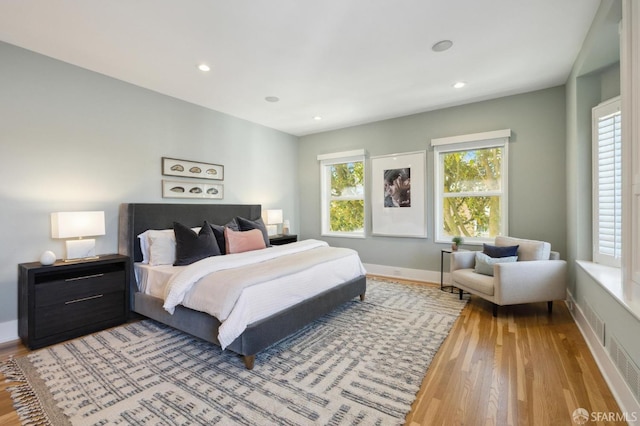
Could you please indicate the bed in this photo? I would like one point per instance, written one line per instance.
(263, 332)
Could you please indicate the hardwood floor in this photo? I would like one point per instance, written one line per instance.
(8, 415)
(522, 368)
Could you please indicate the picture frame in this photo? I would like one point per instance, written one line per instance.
(187, 189)
(398, 190)
(192, 169)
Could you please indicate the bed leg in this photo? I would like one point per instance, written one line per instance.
(362, 297)
(249, 360)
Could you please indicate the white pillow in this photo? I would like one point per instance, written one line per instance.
(159, 246)
(144, 246)
(162, 247)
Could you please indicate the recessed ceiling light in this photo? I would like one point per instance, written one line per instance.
(459, 85)
(204, 67)
(442, 45)
(272, 99)
(317, 118)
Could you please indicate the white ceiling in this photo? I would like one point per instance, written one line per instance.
(348, 61)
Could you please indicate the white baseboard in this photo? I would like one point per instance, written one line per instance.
(619, 388)
(8, 331)
(405, 273)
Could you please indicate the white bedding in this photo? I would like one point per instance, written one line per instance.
(152, 280)
(193, 287)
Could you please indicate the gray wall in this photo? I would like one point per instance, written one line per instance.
(537, 194)
(595, 77)
(583, 93)
(71, 139)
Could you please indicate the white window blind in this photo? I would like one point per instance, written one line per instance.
(607, 191)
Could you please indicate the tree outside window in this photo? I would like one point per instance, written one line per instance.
(346, 209)
(343, 195)
(471, 205)
(471, 186)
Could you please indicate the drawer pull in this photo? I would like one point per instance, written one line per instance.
(84, 277)
(97, 296)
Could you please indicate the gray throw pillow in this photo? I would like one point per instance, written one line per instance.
(218, 232)
(191, 247)
(484, 263)
(248, 225)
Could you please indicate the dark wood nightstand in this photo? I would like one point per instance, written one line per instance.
(70, 299)
(278, 240)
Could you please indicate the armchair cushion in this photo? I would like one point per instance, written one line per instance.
(528, 249)
(468, 280)
(484, 263)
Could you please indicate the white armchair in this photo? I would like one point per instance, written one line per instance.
(538, 276)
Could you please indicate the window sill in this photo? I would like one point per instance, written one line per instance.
(329, 234)
(610, 279)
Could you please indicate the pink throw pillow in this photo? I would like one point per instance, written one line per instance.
(241, 241)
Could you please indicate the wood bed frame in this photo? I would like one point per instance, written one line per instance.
(137, 218)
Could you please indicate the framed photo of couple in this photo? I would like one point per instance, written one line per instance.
(398, 183)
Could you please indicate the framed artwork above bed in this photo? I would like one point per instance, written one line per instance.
(186, 189)
(192, 169)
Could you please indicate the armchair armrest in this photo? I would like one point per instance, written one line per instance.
(530, 281)
(462, 260)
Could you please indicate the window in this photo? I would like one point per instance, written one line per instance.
(343, 198)
(607, 183)
(471, 186)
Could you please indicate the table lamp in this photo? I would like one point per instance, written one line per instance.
(273, 219)
(78, 225)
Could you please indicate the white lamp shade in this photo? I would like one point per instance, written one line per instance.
(76, 224)
(274, 217)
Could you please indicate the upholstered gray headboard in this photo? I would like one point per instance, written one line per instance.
(137, 218)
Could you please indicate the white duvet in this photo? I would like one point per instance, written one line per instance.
(240, 289)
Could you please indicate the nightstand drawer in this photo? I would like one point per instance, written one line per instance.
(78, 313)
(80, 287)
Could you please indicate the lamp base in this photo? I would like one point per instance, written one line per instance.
(80, 250)
(272, 230)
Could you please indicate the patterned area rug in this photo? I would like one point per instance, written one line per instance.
(361, 364)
